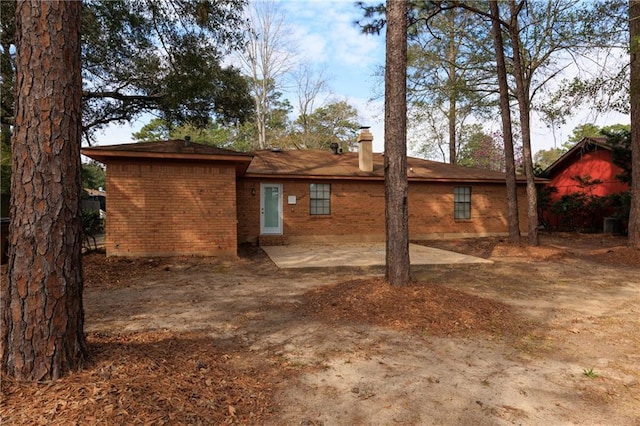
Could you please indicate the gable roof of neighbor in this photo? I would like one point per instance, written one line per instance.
(175, 149)
(326, 165)
(585, 145)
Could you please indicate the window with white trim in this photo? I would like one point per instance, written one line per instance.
(462, 202)
(319, 199)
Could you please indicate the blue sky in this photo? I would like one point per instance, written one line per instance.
(326, 37)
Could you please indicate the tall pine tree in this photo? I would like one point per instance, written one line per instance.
(42, 333)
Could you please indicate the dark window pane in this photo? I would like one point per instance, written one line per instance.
(462, 202)
(319, 198)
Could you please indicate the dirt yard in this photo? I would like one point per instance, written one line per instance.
(546, 335)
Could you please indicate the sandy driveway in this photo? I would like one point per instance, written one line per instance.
(584, 315)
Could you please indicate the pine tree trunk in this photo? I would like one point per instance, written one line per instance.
(634, 34)
(452, 131)
(395, 145)
(453, 94)
(42, 316)
(505, 112)
(525, 125)
(262, 110)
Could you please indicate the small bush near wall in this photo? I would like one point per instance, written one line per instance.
(586, 213)
(92, 226)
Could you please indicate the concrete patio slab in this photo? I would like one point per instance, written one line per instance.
(362, 255)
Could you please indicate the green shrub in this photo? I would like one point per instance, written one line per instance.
(92, 225)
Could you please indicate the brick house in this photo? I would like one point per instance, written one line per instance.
(177, 198)
(591, 157)
(171, 198)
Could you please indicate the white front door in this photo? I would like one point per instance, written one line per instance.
(270, 208)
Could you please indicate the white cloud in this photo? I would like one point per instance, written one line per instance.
(312, 46)
(354, 48)
(343, 43)
(370, 114)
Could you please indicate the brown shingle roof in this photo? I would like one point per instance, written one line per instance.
(324, 164)
(176, 149)
(174, 146)
(170, 150)
(292, 164)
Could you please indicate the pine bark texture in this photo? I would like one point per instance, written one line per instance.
(634, 34)
(395, 146)
(453, 113)
(525, 126)
(453, 157)
(42, 333)
(507, 131)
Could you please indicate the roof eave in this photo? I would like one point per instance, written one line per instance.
(379, 178)
(102, 155)
(310, 176)
(241, 162)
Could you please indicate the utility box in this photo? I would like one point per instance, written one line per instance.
(612, 225)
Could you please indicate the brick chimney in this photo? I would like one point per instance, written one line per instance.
(365, 150)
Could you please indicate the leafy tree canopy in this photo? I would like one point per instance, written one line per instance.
(620, 141)
(446, 61)
(155, 130)
(278, 124)
(334, 123)
(93, 175)
(238, 136)
(614, 133)
(158, 129)
(7, 36)
(213, 134)
(5, 168)
(582, 131)
(545, 157)
(481, 150)
(161, 56)
(590, 130)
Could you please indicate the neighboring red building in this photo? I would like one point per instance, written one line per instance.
(590, 159)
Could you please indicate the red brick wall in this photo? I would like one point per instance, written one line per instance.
(357, 211)
(167, 208)
(598, 165)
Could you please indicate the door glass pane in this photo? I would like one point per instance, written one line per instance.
(271, 199)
